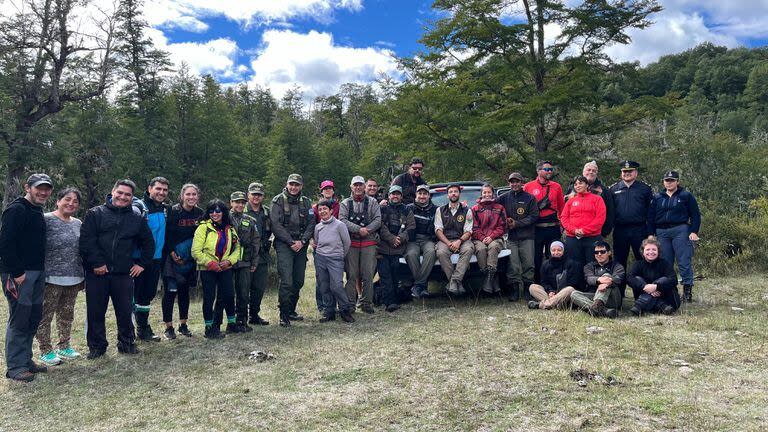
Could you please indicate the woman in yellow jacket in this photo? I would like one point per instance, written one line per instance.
(216, 248)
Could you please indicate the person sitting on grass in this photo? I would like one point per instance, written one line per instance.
(331, 243)
(604, 278)
(560, 277)
(653, 281)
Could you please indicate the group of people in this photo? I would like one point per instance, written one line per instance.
(124, 247)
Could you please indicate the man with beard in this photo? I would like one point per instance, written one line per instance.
(410, 180)
(522, 213)
(596, 187)
(396, 224)
(362, 216)
(550, 201)
(293, 223)
(604, 277)
(453, 227)
(423, 244)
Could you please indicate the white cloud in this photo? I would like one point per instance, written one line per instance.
(217, 57)
(246, 12)
(315, 63)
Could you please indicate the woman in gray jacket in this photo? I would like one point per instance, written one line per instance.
(331, 243)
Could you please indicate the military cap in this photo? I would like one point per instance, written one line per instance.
(671, 175)
(238, 196)
(295, 178)
(256, 188)
(36, 180)
(395, 188)
(629, 165)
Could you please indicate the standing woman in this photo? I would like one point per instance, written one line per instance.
(179, 272)
(216, 248)
(63, 277)
(675, 219)
(582, 219)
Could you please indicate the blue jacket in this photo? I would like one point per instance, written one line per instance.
(156, 215)
(680, 208)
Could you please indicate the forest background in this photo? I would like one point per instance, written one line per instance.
(486, 97)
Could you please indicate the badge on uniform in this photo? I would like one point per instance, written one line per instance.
(245, 223)
(460, 218)
(520, 211)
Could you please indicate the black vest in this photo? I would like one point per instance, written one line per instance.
(453, 225)
(425, 219)
(393, 217)
(358, 218)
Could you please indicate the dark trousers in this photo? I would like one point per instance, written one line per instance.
(25, 313)
(330, 284)
(218, 288)
(543, 238)
(389, 278)
(626, 238)
(648, 303)
(259, 280)
(145, 290)
(675, 245)
(582, 250)
(173, 290)
(291, 267)
(98, 291)
(243, 280)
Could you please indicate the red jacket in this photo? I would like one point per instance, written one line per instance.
(489, 220)
(556, 199)
(585, 211)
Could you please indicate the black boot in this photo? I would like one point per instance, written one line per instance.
(514, 294)
(232, 328)
(490, 275)
(688, 293)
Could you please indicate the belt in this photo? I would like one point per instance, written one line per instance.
(668, 226)
(547, 224)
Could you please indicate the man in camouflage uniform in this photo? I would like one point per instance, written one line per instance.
(250, 241)
(293, 223)
(260, 277)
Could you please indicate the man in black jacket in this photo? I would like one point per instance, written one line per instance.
(410, 180)
(109, 235)
(22, 258)
(422, 244)
(522, 213)
(604, 277)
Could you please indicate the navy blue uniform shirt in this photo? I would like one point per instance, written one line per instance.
(680, 208)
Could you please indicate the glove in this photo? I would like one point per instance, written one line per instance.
(213, 266)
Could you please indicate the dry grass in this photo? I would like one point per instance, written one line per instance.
(435, 365)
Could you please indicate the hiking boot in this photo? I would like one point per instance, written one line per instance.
(95, 353)
(452, 287)
(244, 328)
(597, 309)
(488, 283)
(146, 334)
(183, 329)
(415, 292)
(612, 313)
(257, 320)
(169, 333)
(327, 318)
(347, 317)
(127, 348)
(667, 310)
(393, 307)
(212, 332)
(68, 353)
(38, 368)
(232, 328)
(25, 376)
(50, 358)
(284, 321)
(367, 309)
(533, 304)
(461, 288)
(293, 316)
(635, 311)
(514, 293)
(688, 293)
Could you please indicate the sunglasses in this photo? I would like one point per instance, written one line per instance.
(548, 169)
(216, 210)
(417, 168)
(601, 252)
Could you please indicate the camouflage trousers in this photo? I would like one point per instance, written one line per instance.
(59, 300)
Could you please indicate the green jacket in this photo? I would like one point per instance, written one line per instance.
(292, 218)
(204, 245)
(250, 239)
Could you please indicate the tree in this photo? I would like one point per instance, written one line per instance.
(49, 58)
(500, 50)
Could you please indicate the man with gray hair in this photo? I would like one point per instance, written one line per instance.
(596, 187)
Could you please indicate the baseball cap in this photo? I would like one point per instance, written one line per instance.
(396, 188)
(327, 183)
(422, 187)
(36, 180)
(295, 178)
(357, 179)
(516, 176)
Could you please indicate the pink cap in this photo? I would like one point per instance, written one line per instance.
(327, 183)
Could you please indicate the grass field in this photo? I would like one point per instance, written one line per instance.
(435, 365)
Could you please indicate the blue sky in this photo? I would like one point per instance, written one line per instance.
(321, 44)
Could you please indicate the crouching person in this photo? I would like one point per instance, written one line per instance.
(488, 228)
(653, 281)
(331, 243)
(604, 278)
(560, 277)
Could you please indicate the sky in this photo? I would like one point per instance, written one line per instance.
(320, 44)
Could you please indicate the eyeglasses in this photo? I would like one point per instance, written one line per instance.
(216, 210)
(601, 252)
(548, 169)
(417, 168)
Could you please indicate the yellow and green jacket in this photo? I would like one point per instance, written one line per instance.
(204, 245)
